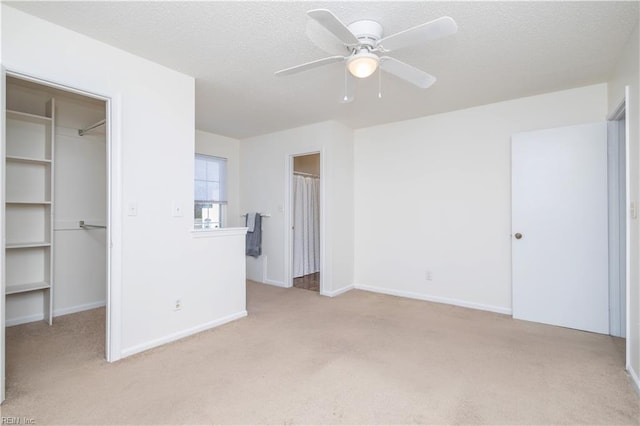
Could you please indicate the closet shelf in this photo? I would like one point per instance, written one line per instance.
(29, 200)
(27, 160)
(31, 244)
(46, 203)
(24, 288)
(24, 116)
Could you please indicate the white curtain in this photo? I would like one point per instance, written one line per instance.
(306, 223)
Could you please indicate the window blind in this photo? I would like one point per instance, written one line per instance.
(210, 179)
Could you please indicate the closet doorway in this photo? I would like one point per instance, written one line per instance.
(56, 214)
(305, 184)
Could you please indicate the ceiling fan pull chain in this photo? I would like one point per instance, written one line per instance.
(379, 83)
(346, 89)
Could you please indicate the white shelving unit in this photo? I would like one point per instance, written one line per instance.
(29, 205)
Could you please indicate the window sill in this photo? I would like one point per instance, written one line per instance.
(219, 232)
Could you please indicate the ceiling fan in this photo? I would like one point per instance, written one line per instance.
(366, 48)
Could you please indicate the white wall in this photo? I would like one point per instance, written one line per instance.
(434, 194)
(626, 74)
(266, 165)
(338, 176)
(229, 148)
(155, 257)
(80, 256)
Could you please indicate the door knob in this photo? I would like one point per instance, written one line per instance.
(518, 235)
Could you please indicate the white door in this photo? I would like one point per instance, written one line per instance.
(559, 227)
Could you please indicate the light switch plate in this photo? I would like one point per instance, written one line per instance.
(132, 209)
(176, 209)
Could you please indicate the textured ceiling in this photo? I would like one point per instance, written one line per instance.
(503, 50)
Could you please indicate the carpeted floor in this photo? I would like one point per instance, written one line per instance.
(300, 358)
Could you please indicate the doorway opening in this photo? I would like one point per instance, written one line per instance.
(57, 203)
(306, 222)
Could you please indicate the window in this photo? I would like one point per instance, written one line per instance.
(210, 198)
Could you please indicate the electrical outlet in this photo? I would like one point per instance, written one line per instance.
(178, 305)
(428, 275)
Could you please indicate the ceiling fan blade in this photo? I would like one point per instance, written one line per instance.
(432, 30)
(407, 72)
(333, 25)
(310, 65)
(324, 40)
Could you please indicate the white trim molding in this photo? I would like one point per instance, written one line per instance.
(113, 337)
(56, 313)
(437, 299)
(275, 283)
(337, 292)
(635, 381)
(219, 232)
(288, 215)
(182, 334)
(24, 320)
(79, 308)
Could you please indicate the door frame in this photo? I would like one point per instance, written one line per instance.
(114, 205)
(3, 132)
(616, 115)
(288, 220)
(618, 205)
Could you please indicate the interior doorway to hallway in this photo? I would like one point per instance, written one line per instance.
(306, 222)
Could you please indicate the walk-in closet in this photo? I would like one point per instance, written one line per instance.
(55, 203)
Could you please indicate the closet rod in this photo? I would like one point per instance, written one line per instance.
(306, 174)
(261, 214)
(87, 226)
(82, 132)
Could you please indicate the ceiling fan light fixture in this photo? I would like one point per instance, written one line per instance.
(363, 64)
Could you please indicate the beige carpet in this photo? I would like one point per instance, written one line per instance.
(303, 358)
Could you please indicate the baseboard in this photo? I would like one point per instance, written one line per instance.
(181, 334)
(437, 299)
(24, 320)
(56, 313)
(275, 283)
(338, 291)
(635, 381)
(78, 308)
